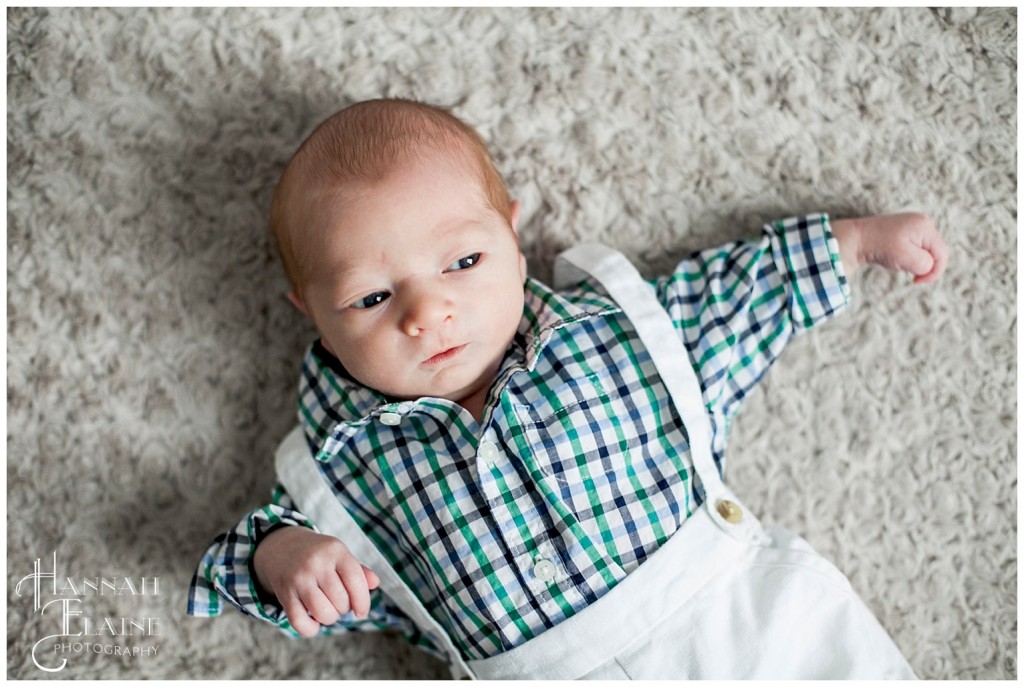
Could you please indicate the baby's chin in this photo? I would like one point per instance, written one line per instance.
(457, 388)
(455, 383)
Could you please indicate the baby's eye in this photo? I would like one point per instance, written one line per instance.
(464, 264)
(372, 300)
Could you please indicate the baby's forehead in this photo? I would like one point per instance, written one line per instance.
(335, 167)
(332, 192)
(416, 199)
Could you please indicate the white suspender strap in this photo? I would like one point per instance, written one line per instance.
(298, 473)
(636, 298)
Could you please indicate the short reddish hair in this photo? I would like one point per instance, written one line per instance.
(364, 142)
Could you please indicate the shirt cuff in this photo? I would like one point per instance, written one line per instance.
(807, 253)
(225, 572)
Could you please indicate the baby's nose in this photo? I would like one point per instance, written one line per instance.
(426, 313)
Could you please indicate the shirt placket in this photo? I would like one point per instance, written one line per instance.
(521, 526)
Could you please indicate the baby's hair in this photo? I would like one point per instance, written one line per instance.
(364, 142)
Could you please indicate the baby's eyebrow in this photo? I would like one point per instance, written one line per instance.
(336, 273)
(339, 274)
(459, 226)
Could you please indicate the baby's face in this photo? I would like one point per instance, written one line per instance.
(417, 285)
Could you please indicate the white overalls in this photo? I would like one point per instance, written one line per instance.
(723, 598)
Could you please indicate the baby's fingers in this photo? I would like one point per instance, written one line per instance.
(335, 592)
(936, 248)
(908, 256)
(356, 584)
(322, 605)
(372, 581)
(298, 616)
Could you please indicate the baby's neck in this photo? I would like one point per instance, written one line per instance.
(474, 403)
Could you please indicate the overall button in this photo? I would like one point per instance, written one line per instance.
(544, 570)
(390, 419)
(488, 453)
(729, 511)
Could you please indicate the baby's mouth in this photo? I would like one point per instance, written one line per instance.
(444, 355)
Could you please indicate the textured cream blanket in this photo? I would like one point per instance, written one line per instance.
(152, 358)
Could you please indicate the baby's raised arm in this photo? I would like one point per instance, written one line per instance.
(314, 576)
(908, 242)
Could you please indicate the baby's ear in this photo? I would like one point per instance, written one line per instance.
(513, 218)
(296, 300)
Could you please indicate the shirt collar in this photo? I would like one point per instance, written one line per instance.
(333, 406)
(546, 311)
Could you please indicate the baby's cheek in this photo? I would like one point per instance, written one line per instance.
(507, 313)
(376, 372)
(357, 355)
(394, 360)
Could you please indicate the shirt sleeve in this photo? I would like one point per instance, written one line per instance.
(225, 575)
(737, 306)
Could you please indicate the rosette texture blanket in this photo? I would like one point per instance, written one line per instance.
(152, 357)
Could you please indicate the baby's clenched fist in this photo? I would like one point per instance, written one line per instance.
(315, 578)
(907, 242)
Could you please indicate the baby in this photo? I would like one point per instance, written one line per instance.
(535, 473)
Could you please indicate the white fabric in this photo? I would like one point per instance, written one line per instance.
(743, 612)
(718, 600)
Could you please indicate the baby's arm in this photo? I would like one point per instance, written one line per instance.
(737, 306)
(908, 242)
(227, 575)
(315, 578)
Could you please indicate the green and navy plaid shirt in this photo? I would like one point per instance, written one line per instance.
(580, 469)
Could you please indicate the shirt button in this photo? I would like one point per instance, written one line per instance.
(488, 453)
(544, 570)
(729, 511)
(391, 419)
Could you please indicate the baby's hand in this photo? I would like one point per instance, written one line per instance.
(907, 242)
(315, 578)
